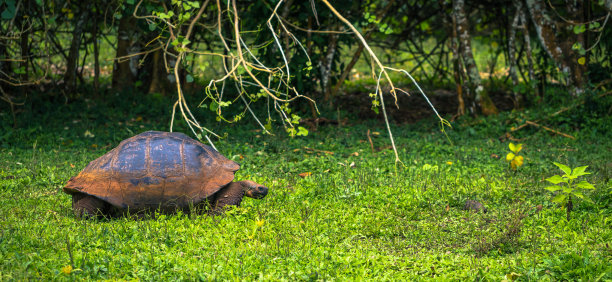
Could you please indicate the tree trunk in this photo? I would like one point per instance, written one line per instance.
(96, 54)
(326, 66)
(156, 70)
(557, 41)
(123, 76)
(512, 51)
(25, 46)
(477, 99)
(529, 53)
(73, 55)
(458, 73)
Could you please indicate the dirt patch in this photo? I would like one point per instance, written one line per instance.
(414, 107)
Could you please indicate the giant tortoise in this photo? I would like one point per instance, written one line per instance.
(165, 171)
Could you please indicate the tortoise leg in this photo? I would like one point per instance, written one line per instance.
(231, 194)
(86, 206)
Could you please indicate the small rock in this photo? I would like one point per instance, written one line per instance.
(473, 205)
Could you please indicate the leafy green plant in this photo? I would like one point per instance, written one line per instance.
(513, 157)
(565, 192)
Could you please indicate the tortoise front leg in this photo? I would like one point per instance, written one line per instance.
(231, 194)
(86, 206)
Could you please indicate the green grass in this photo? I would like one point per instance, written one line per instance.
(357, 217)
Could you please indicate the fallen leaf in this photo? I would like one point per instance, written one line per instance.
(71, 165)
(355, 154)
(67, 269)
(305, 174)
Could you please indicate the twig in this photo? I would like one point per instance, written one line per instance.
(371, 143)
(550, 129)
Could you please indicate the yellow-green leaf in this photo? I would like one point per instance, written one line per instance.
(560, 198)
(518, 160)
(580, 171)
(556, 179)
(67, 269)
(564, 168)
(582, 60)
(585, 185)
(509, 157)
(515, 147)
(512, 147)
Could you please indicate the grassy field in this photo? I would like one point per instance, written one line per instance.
(357, 216)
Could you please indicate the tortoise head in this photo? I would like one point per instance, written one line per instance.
(254, 190)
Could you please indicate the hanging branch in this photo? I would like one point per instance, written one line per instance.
(383, 71)
(243, 69)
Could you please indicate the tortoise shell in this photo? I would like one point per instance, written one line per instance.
(155, 170)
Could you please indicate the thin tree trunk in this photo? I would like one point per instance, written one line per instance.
(73, 55)
(326, 66)
(481, 102)
(122, 73)
(529, 53)
(512, 51)
(357, 53)
(25, 46)
(159, 77)
(94, 38)
(457, 68)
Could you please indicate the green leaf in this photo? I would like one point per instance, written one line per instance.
(564, 168)
(213, 106)
(580, 171)
(580, 28)
(556, 179)
(268, 125)
(189, 78)
(577, 46)
(578, 194)
(302, 131)
(560, 199)
(553, 188)
(291, 131)
(8, 14)
(585, 185)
